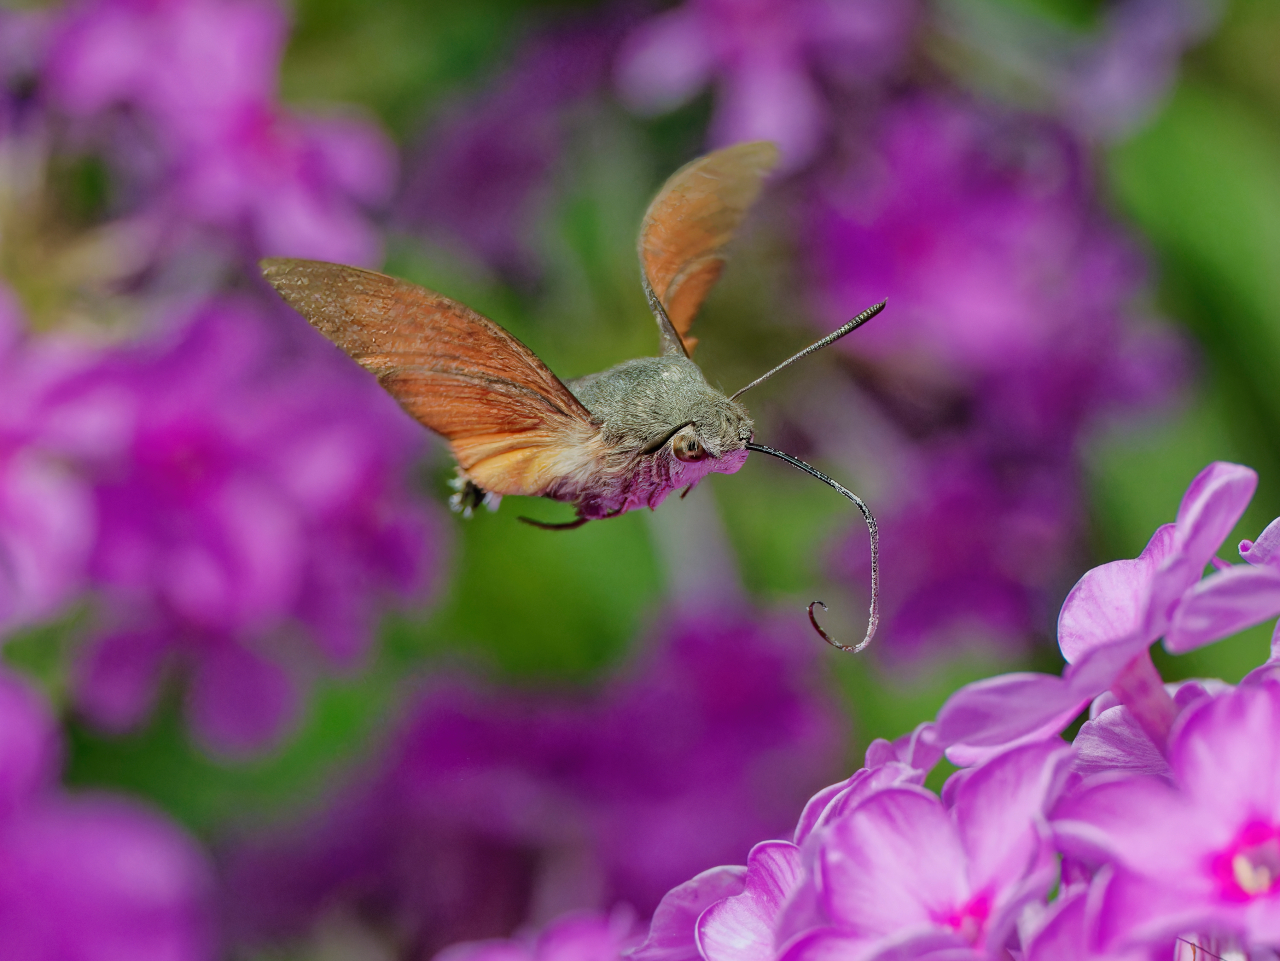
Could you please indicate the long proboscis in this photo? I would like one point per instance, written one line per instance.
(873, 616)
(827, 341)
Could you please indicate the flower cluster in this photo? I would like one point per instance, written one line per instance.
(493, 808)
(769, 61)
(243, 487)
(1009, 341)
(229, 491)
(90, 876)
(181, 96)
(1155, 834)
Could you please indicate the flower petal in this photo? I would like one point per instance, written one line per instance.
(664, 62)
(893, 862)
(28, 742)
(997, 713)
(1113, 742)
(741, 928)
(673, 931)
(999, 808)
(1211, 507)
(1223, 604)
(1266, 549)
(238, 701)
(1110, 601)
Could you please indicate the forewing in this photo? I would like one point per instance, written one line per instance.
(691, 221)
(512, 424)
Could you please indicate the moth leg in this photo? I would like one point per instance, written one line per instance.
(470, 495)
(566, 526)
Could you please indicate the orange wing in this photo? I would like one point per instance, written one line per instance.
(511, 423)
(691, 221)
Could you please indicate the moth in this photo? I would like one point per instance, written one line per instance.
(606, 443)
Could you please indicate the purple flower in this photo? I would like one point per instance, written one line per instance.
(485, 169)
(244, 486)
(46, 520)
(891, 871)
(201, 75)
(766, 58)
(492, 804)
(1007, 340)
(572, 937)
(979, 227)
(1114, 84)
(1115, 613)
(1201, 854)
(91, 877)
(974, 550)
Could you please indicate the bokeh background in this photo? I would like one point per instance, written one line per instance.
(248, 648)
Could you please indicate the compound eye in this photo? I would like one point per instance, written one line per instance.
(687, 447)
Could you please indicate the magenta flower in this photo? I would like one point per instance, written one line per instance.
(46, 517)
(1111, 86)
(1202, 854)
(201, 74)
(1010, 340)
(765, 57)
(571, 937)
(485, 172)
(748, 901)
(244, 486)
(91, 877)
(710, 745)
(892, 871)
(1115, 613)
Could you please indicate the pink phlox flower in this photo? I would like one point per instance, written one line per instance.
(1113, 741)
(765, 58)
(734, 911)
(1200, 854)
(201, 76)
(907, 874)
(46, 515)
(889, 870)
(572, 937)
(1114, 614)
(245, 486)
(90, 876)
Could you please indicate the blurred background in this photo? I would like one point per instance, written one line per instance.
(248, 649)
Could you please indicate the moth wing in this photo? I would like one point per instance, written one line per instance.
(512, 424)
(691, 221)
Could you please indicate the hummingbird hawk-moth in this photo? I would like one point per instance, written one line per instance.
(606, 443)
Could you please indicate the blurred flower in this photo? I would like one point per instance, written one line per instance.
(1202, 854)
(1005, 341)
(90, 877)
(487, 164)
(207, 142)
(1105, 79)
(573, 937)
(245, 486)
(768, 59)
(494, 808)
(1114, 614)
(46, 518)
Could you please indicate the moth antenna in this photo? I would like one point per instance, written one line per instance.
(873, 616)
(827, 341)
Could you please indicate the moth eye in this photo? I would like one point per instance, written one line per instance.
(687, 447)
